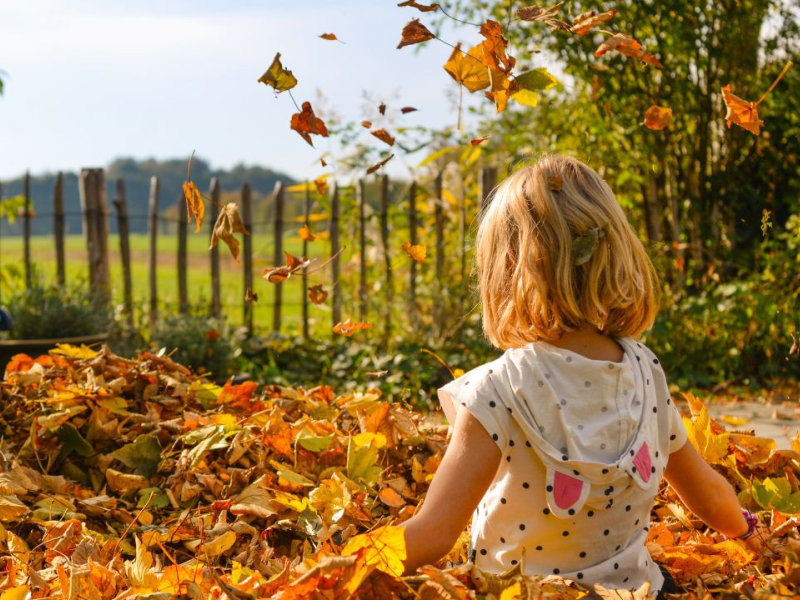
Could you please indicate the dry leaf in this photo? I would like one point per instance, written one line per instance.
(416, 252)
(554, 183)
(407, 109)
(305, 234)
(495, 48)
(322, 162)
(366, 124)
(228, 223)
(414, 33)
(322, 184)
(629, 47)
(331, 37)
(745, 113)
(383, 136)
(479, 141)
(347, 328)
(543, 14)
(420, 7)
(658, 118)
(378, 165)
(277, 77)
(194, 204)
(468, 70)
(382, 108)
(250, 295)
(281, 274)
(306, 123)
(585, 21)
(317, 294)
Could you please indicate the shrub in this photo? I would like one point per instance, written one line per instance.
(199, 341)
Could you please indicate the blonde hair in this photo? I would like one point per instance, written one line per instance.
(529, 285)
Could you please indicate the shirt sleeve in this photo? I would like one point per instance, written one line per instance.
(675, 427)
(677, 430)
(476, 393)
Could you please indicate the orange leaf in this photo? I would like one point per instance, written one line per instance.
(391, 498)
(347, 328)
(555, 183)
(495, 47)
(407, 109)
(228, 223)
(416, 252)
(478, 141)
(414, 33)
(307, 124)
(280, 274)
(382, 108)
(366, 124)
(585, 21)
(420, 7)
(468, 69)
(305, 234)
(629, 47)
(378, 165)
(322, 184)
(743, 112)
(658, 118)
(331, 37)
(383, 136)
(502, 89)
(194, 204)
(237, 394)
(317, 294)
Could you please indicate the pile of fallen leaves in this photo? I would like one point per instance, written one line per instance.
(137, 478)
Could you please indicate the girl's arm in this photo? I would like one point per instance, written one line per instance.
(466, 472)
(705, 492)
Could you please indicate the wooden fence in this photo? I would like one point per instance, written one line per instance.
(96, 214)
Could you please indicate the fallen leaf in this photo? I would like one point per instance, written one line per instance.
(416, 252)
(347, 328)
(468, 70)
(420, 7)
(317, 294)
(378, 165)
(414, 33)
(585, 21)
(658, 118)
(383, 136)
(384, 547)
(219, 544)
(277, 77)
(228, 223)
(629, 47)
(306, 123)
(391, 498)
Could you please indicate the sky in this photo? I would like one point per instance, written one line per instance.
(87, 81)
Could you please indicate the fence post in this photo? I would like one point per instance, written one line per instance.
(1, 232)
(27, 230)
(216, 298)
(439, 219)
(247, 221)
(362, 237)
(335, 264)
(488, 183)
(58, 210)
(278, 256)
(387, 259)
(152, 227)
(183, 292)
(306, 212)
(412, 238)
(93, 204)
(121, 204)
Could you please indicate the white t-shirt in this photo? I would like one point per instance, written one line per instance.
(584, 445)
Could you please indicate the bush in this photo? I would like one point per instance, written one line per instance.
(201, 342)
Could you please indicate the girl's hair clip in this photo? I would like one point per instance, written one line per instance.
(585, 244)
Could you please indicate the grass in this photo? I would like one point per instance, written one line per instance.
(43, 256)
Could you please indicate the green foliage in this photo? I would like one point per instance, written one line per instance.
(142, 455)
(199, 341)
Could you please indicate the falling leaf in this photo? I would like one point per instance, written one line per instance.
(416, 252)
(658, 118)
(317, 294)
(378, 165)
(414, 33)
(745, 113)
(250, 295)
(228, 223)
(347, 328)
(528, 85)
(585, 21)
(307, 124)
(495, 48)
(194, 204)
(407, 109)
(420, 7)
(280, 274)
(383, 136)
(331, 37)
(384, 548)
(502, 89)
(479, 141)
(322, 162)
(305, 233)
(543, 14)
(322, 184)
(382, 108)
(468, 70)
(629, 47)
(277, 77)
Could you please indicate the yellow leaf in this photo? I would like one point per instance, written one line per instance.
(512, 593)
(416, 252)
(713, 448)
(468, 70)
(384, 548)
(11, 507)
(528, 98)
(220, 544)
(21, 592)
(365, 439)
(194, 204)
(70, 351)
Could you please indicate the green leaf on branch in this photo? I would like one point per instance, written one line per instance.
(531, 83)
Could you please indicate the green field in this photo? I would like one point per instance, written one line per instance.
(43, 257)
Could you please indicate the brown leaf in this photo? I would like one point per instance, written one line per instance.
(250, 295)
(502, 89)
(322, 184)
(194, 204)
(382, 108)
(468, 69)
(317, 294)
(306, 123)
(366, 124)
(495, 48)
(658, 118)
(378, 165)
(544, 15)
(383, 136)
(585, 21)
(322, 162)
(407, 109)
(228, 223)
(420, 7)
(414, 33)
(478, 141)
(629, 47)
(347, 328)
(281, 274)
(331, 37)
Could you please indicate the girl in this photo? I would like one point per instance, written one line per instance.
(559, 445)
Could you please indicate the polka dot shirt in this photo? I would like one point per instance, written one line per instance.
(585, 443)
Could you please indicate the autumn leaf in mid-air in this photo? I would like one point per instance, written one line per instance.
(331, 37)
(383, 136)
(530, 83)
(468, 69)
(194, 201)
(495, 48)
(250, 295)
(317, 294)
(658, 118)
(277, 77)
(228, 223)
(545, 15)
(366, 124)
(416, 252)
(414, 33)
(306, 123)
(502, 89)
(479, 141)
(420, 7)
(292, 266)
(321, 184)
(407, 109)
(629, 47)
(378, 165)
(745, 113)
(585, 21)
(382, 108)
(347, 328)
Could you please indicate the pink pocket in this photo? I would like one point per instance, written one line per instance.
(566, 490)
(642, 462)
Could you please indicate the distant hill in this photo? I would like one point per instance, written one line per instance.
(136, 174)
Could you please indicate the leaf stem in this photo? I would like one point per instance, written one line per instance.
(774, 83)
(449, 16)
(293, 100)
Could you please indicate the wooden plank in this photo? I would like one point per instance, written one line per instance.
(278, 255)
(488, 183)
(438, 212)
(247, 221)
(93, 204)
(183, 288)
(58, 228)
(152, 253)
(216, 296)
(335, 263)
(27, 230)
(306, 212)
(412, 237)
(362, 246)
(121, 204)
(1, 231)
(104, 264)
(387, 260)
